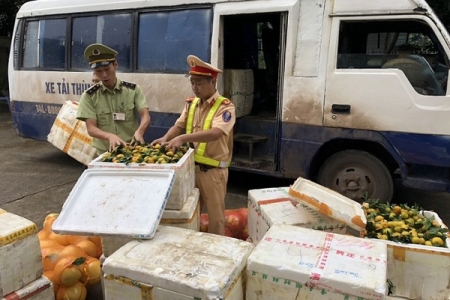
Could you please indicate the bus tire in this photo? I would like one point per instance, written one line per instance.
(357, 175)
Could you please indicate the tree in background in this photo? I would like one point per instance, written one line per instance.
(8, 11)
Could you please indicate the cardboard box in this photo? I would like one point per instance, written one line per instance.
(178, 263)
(40, 289)
(184, 175)
(239, 87)
(20, 253)
(299, 263)
(188, 217)
(267, 207)
(70, 135)
(329, 203)
(419, 271)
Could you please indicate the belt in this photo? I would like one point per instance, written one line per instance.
(204, 167)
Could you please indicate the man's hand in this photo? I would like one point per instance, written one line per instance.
(115, 141)
(174, 143)
(138, 137)
(160, 141)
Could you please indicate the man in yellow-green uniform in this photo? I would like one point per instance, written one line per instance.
(207, 124)
(111, 107)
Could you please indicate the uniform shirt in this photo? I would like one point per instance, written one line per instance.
(99, 103)
(224, 119)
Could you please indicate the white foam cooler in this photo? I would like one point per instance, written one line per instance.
(188, 217)
(70, 135)
(20, 253)
(267, 207)
(184, 175)
(40, 289)
(419, 271)
(299, 263)
(177, 264)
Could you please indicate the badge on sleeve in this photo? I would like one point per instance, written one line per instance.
(226, 116)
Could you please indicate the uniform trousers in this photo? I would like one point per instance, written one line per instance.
(212, 185)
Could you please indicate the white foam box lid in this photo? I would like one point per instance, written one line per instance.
(287, 210)
(188, 217)
(184, 175)
(107, 202)
(40, 289)
(184, 261)
(20, 252)
(329, 203)
(339, 264)
(70, 135)
(419, 271)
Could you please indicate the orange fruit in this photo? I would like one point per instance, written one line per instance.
(67, 271)
(48, 221)
(74, 239)
(72, 250)
(60, 238)
(89, 247)
(76, 291)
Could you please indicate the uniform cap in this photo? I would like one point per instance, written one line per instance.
(99, 55)
(199, 67)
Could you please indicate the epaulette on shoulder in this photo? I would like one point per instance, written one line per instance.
(226, 102)
(90, 91)
(190, 99)
(128, 85)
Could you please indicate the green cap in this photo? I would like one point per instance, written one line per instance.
(99, 55)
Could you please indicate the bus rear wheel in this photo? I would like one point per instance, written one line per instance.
(357, 175)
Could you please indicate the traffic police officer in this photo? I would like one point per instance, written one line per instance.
(206, 123)
(110, 107)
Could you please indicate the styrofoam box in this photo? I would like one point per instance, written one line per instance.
(184, 176)
(40, 289)
(329, 203)
(178, 264)
(239, 88)
(267, 207)
(70, 135)
(419, 271)
(20, 253)
(106, 202)
(188, 217)
(300, 263)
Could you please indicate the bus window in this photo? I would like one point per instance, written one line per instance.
(113, 30)
(165, 39)
(410, 46)
(45, 44)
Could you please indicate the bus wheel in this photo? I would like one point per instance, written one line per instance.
(356, 175)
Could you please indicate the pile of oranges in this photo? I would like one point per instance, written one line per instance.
(71, 262)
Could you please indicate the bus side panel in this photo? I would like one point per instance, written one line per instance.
(422, 149)
(300, 145)
(32, 119)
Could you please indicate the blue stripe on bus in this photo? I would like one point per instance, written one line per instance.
(34, 120)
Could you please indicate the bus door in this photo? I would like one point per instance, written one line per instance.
(253, 55)
(386, 99)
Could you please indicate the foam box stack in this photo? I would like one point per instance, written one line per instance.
(184, 175)
(188, 217)
(70, 135)
(267, 207)
(40, 289)
(419, 271)
(177, 264)
(239, 88)
(20, 253)
(299, 263)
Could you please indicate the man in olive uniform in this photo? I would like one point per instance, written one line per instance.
(206, 123)
(110, 108)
